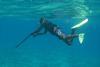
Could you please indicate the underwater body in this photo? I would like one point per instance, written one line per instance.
(18, 18)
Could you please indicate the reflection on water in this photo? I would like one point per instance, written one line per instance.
(48, 8)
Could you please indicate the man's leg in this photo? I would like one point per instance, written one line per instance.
(73, 31)
(69, 38)
(60, 34)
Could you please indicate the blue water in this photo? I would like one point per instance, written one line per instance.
(18, 18)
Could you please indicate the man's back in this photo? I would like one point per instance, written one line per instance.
(49, 26)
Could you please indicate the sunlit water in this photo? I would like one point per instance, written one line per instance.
(18, 18)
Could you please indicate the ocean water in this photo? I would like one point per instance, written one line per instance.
(18, 18)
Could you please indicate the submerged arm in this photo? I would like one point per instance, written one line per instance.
(38, 31)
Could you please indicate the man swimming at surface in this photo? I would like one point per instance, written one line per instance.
(54, 30)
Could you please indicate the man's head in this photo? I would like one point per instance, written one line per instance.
(42, 20)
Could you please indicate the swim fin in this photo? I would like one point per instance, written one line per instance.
(80, 24)
(81, 37)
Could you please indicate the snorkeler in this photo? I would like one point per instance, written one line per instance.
(56, 31)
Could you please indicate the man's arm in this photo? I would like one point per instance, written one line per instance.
(40, 33)
(37, 31)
